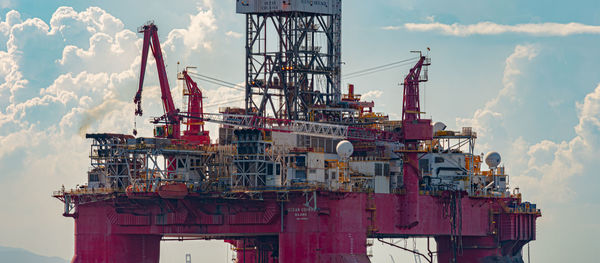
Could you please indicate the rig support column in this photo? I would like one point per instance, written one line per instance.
(96, 240)
(323, 247)
(334, 229)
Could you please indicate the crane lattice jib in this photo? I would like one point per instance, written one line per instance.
(195, 104)
(411, 108)
(325, 130)
(152, 42)
(413, 127)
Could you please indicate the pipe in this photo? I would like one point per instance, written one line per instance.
(488, 186)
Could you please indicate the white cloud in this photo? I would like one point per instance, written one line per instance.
(543, 169)
(392, 28)
(559, 175)
(69, 23)
(490, 28)
(12, 18)
(551, 165)
(77, 73)
(488, 121)
(372, 94)
(6, 3)
(106, 53)
(233, 34)
(196, 34)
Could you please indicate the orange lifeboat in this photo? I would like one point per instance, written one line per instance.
(173, 191)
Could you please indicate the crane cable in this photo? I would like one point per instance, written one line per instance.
(406, 249)
(222, 102)
(380, 68)
(214, 79)
(354, 74)
(217, 81)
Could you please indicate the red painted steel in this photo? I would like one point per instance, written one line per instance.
(171, 116)
(308, 226)
(255, 250)
(96, 240)
(414, 129)
(195, 132)
(335, 228)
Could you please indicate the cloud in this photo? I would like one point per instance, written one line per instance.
(552, 165)
(196, 34)
(6, 3)
(544, 169)
(391, 28)
(12, 18)
(69, 23)
(106, 53)
(489, 121)
(372, 94)
(233, 34)
(559, 175)
(490, 28)
(76, 73)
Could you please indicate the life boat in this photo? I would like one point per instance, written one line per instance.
(173, 191)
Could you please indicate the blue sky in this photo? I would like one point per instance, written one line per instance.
(523, 73)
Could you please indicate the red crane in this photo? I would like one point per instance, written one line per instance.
(195, 132)
(171, 117)
(414, 130)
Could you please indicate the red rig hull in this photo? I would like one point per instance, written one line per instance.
(319, 226)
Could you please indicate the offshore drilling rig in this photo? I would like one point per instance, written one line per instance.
(302, 173)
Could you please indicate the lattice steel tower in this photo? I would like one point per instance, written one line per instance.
(293, 56)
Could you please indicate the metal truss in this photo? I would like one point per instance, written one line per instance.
(300, 66)
(254, 161)
(121, 162)
(108, 160)
(326, 130)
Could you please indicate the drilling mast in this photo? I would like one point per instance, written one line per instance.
(299, 67)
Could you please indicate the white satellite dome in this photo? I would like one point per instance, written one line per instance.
(438, 126)
(344, 149)
(493, 159)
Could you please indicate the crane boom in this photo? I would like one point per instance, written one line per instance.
(195, 107)
(411, 109)
(194, 116)
(414, 130)
(171, 116)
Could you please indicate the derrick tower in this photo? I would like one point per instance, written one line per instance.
(293, 56)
